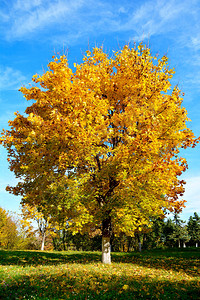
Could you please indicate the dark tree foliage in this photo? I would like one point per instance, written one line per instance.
(194, 229)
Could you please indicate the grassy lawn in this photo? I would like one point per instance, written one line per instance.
(158, 274)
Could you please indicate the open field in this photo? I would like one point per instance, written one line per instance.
(159, 274)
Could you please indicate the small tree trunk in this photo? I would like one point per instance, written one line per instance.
(43, 241)
(184, 245)
(63, 240)
(197, 245)
(106, 247)
(139, 243)
(54, 243)
(129, 244)
(179, 244)
(140, 247)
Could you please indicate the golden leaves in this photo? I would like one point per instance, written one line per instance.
(111, 127)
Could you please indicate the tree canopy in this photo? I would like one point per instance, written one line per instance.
(100, 144)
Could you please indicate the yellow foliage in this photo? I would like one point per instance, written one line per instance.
(103, 141)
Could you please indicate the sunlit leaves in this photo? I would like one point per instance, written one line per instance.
(9, 236)
(102, 140)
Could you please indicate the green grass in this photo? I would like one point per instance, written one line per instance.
(173, 274)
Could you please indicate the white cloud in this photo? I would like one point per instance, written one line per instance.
(85, 17)
(122, 10)
(156, 17)
(195, 42)
(26, 17)
(4, 17)
(26, 5)
(192, 195)
(11, 79)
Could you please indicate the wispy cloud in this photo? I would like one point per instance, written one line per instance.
(11, 79)
(27, 17)
(157, 17)
(26, 5)
(195, 42)
(74, 19)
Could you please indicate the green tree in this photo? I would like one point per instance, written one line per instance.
(176, 232)
(194, 229)
(169, 230)
(155, 238)
(185, 237)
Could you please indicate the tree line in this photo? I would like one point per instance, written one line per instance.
(32, 231)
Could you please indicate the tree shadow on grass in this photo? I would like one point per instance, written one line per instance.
(35, 258)
(76, 284)
(186, 261)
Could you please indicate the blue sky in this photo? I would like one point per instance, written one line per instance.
(32, 31)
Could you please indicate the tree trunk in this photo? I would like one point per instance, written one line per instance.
(140, 247)
(139, 243)
(129, 244)
(106, 253)
(43, 241)
(197, 245)
(54, 243)
(184, 245)
(179, 244)
(106, 235)
(63, 240)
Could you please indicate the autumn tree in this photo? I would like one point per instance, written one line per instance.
(102, 141)
(33, 220)
(9, 235)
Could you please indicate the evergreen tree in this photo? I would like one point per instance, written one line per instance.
(168, 233)
(179, 235)
(155, 238)
(185, 237)
(194, 229)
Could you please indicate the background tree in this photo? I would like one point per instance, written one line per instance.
(169, 230)
(185, 237)
(9, 236)
(107, 136)
(35, 221)
(179, 232)
(3, 220)
(29, 240)
(193, 228)
(155, 238)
